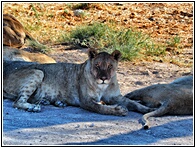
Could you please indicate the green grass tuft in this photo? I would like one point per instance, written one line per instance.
(38, 47)
(131, 43)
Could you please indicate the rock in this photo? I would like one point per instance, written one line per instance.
(78, 12)
(91, 125)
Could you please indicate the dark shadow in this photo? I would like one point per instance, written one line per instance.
(15, 120)
(145, 137)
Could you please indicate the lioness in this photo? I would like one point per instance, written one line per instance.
(175, 98)
(14, 54)
(14, 34)
(85, 85)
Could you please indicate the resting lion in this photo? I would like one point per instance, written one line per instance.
(86, 85)
(175, 98)
(14, 54)
(14, 34)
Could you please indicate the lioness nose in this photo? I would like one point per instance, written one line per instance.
(103, 78)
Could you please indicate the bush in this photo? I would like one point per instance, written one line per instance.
(104, 37)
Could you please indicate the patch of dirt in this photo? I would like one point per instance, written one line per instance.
(162, 21)
(76, 126)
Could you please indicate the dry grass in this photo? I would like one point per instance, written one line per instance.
(47, 22)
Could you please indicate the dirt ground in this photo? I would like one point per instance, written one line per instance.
(76, 126)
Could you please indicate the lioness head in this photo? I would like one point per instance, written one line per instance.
(103, 65)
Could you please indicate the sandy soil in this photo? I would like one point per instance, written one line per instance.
(76, 126)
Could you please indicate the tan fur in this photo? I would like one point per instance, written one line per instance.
(86, 85)
(14, 54)
(14, 34)
(175, 98)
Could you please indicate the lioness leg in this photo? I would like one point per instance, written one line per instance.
(27, 88)
(131, 105)
(135, 106)
(163, 109)
(105, 109)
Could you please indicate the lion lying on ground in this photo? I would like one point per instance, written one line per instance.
(14, 54)
(86, 85)
(14, 34)
(175, 98)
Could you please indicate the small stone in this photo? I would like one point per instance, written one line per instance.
(77, 126)
(78, 12)
(155, 72)
(91, 125)
(151, 18)
(139, 83)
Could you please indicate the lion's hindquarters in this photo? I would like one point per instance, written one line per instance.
(185, 80)
(173, 98)
(25, 82)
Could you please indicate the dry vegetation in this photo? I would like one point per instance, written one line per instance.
(168, 24)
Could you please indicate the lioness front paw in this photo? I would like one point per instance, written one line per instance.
(27, 106)
(60, 104)
(34, 108)
(121, 111)
(45, 102)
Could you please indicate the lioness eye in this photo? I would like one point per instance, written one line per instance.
(97, 65)
(110, 66)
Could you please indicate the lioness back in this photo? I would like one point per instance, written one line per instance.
(14, 54)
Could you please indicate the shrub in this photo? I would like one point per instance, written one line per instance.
(105, 37)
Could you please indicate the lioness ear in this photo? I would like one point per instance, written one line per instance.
(116, 54)
(92, 53)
